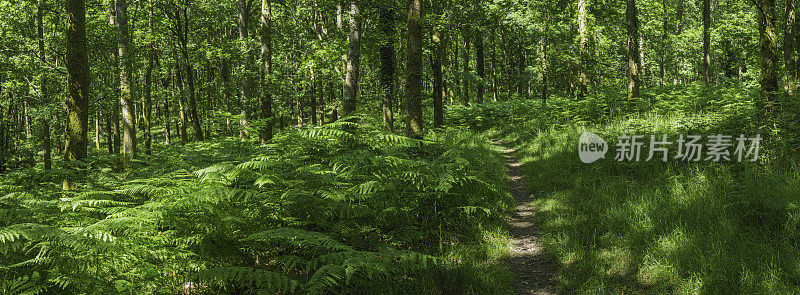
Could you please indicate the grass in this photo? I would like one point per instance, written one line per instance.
(654, 227)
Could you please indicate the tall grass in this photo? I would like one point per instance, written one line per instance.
(655, 227)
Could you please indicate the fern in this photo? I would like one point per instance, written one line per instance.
(258, 279)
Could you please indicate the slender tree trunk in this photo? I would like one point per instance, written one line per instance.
(634, 59)
(128, 115)
(662, 69)
(181, 107)
(414, 70)
(246, 61)
(583, 80)
(481, 65)
(353, 60)
(388, 62)
(454, 66)
(768, 43)
(678, 32)
(97, 130)
(789, 47)
(196, 124)
(77, 96)
(313, 91)
(148, 100)
(48, 162)
(266, 71)
(494, 66)
(225, 75)
(167, 120)
(706, 41)
(543, 50)
(43, 84)
(465, 81)
(437, 69)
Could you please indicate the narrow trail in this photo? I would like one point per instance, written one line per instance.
(535, 272)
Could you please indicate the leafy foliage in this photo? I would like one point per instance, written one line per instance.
(338, 207)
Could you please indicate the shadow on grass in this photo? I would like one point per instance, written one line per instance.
(654, 227)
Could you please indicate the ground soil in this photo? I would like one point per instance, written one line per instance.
(535, 271)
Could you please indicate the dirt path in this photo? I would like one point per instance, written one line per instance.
(535, 273)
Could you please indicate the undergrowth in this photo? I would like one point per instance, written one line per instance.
(655, 227)
(340, 209)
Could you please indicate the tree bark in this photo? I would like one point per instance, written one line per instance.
(466, 74)
(706, 41)
(414, 70)
(181, 107)
(125, 99)
(198, 128)
(789, 47)
(437, 69)
(167, 120)
(148, 102)
(313, 91)
(353, 60)
(387, 53)
(246, 61)
(480, 64)
(454, 66)
(43, 84)
(77, 96)
(678, 32)
(266, 71)
(543, 50)
(583, 80)
(494, 66)
(634, 59)
(768, 43)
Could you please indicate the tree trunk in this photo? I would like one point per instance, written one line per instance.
(634, 59)
(494, 66)
(789, 47)
(706, 41)
(465, 81)
(437, 69)
(414, 70)
(387, 53)
(353, 60)
(225, 75)
(246, 61)
(266, 71)
(768, 43)
(313, 91)
(678, 32)
(77, 96)
(454, 66)
(166, 84)
(48, 162)
(97, 130)
(481, 65)
(198, 128)
(544, 56)
(148, 100)
(128, 115)
(43, 84)
(583, 80)
(181, 107)
(662, 69)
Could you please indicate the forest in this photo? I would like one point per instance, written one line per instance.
(399, 147)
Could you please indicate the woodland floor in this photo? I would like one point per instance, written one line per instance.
(534, 271)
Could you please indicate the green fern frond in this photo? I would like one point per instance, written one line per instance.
(299, 238)
(247, 277)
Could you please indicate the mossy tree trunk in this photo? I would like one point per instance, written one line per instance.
(414, 70)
